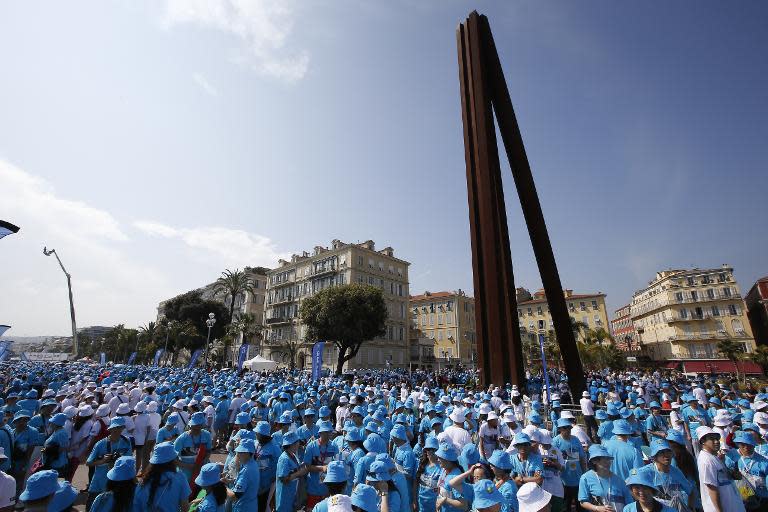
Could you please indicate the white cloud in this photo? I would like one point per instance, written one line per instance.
(93, 247)
(230, 247)
(205, 85)
(263, 26)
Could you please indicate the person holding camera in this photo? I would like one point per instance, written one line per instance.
(103, 456)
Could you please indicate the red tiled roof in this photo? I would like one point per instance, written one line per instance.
(671, 366)
(431, 296)
(721, 366)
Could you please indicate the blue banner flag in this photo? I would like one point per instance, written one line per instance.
(241, 356)
(317, 359)
(131, 358)
(103, 358)
(4, 328)
(193, 360)
(544, 364)
(5, 350)
(158, 355)
(24, 356)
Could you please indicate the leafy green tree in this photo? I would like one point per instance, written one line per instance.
(191, 307)
(732, 351)
(231, 284)
(347, 315)
(760, 357)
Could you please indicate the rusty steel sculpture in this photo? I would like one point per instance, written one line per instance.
(483, 91)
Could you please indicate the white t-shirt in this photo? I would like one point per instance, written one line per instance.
(587, 409)
(713, 472)
(701, 396)
(457, 436)
(552, 482)
(141, 428)
(489, 436)
(578, 432)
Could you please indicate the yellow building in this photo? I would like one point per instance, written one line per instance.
(442, 329)
(683, 314)
(341, 263)
(534, 316)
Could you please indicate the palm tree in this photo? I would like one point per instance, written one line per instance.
(147, 334)
(231, 284)
(597, 336)
(580, 329)
(760, 357)
(732, 351)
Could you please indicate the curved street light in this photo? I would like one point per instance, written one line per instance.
(71, 303)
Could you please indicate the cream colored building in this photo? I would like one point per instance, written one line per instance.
(447, 320)
(683, 314)
(341, 263)
(534, 316)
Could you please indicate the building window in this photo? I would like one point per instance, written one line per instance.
(710, 293)
(691, 281)
(597, 320)
(401, 336)
(381, 267)
(715, 311)
(370, 262)
(439, 319)
(732, 309)
(400, 271)
(370, 280)
(726, 292)
(449, 318)
(538, 310)
(721, 277)
(679, 296)
(585, 320)
(694, 295)
(530, 312)
(583, 306)
(594, 305)
(542, 324)
(683, 313)
(391, 269)
(431, 319)
(571, 308)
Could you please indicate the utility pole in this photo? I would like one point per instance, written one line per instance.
(71, 303)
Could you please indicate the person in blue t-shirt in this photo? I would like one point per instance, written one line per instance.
(289, 470)
(752, 465)
(56, 446)
(104, 454)
(266, 456)
(121, 487)
(190, 442)
(163, 488)
(527, 466)
(643, 491)
(336, 482)
(625, 456)
(599, 489)
(215, 497)
(317, 455)
(428, 475)
(244, 491)
(575, 461)
(670, 483)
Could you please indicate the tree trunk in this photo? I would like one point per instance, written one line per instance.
(340, 361)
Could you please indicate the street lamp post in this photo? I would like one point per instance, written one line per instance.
(167, 333)
(211, 320)
(71, 303)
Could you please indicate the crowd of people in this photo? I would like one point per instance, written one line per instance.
(172, 439)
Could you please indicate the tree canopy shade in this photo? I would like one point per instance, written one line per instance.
(346, 316)
(193, 308)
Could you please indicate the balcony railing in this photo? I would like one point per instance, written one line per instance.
(278, 320)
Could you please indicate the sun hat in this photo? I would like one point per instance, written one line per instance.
(398, 432)
(431, 443)
(566, 415)
(289, 439)
(486, 494)
(469, 456)
(521, 438)
(501, 460)
(40, 484)
(364, 496)
(658, 445)
(744, 438)
(644, 478)
(123, 409)
(353, 435)
(675, 436)
(601, 415)
(124, 469)
(447, 452)
(65, 496)
(750, 426)
(197, 419)
(140, 407)
(339, 503)
(262, 428)
(85, 411)
(102, 410)
(337, 472)
(458, 415)
(245, 446)
(564, 423)
(597, 450)
(285, 418)
(210, 474)
(118, 422)
(375, 443)
(324, 426)
(162, 453)
(622, 427)
(172, 419)
(532, 498)
(21, 414)
(704, 431)
(585, 394)
(378, 472)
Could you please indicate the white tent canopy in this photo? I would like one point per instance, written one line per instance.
(259, 363)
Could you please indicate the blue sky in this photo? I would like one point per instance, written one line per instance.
(154, 144)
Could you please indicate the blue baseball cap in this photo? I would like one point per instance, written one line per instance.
(210, 474)
(365, 497)
(486, 495)
(40, 485)
(162, 453)
(124, 469)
